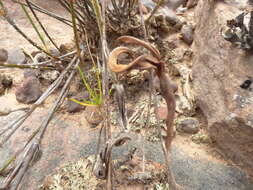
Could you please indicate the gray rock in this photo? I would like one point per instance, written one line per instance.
(5, 82)
(16, 56)
(188, 125)
(170, 15)
(3, 55)
(28, 91)
(187, 34)
(72, 106)
(55, 52)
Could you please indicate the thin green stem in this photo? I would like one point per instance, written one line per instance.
(41, 25)
(35, 27)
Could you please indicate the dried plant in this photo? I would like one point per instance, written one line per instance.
(92, 22)
(147, 62)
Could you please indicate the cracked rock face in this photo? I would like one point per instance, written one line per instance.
(218, 72)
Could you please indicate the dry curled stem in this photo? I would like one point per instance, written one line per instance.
(141, 62)
(167, 91)
(132, 40)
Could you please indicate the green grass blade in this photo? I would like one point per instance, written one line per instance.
(87, 86)
(83, 103)
(97, 10)
(34, 27)
(41, 25)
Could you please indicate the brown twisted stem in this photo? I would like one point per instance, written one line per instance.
(167, 91)
(136, 41)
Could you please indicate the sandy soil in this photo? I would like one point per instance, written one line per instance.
(10, 39)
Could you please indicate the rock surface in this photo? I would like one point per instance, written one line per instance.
(219, 70)
(28, 91)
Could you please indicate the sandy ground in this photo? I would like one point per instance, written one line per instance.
(10, 39)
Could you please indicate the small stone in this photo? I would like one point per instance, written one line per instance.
(183, 106)
(3, 55)
(169, 16)
(188, 125)
(28, 91)
(40, 57)
(93, 115)
(49, 76)
(16, 56)
(7, 81)
(55, 52)
(200, 138)
(187, 34)
(73, 107)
